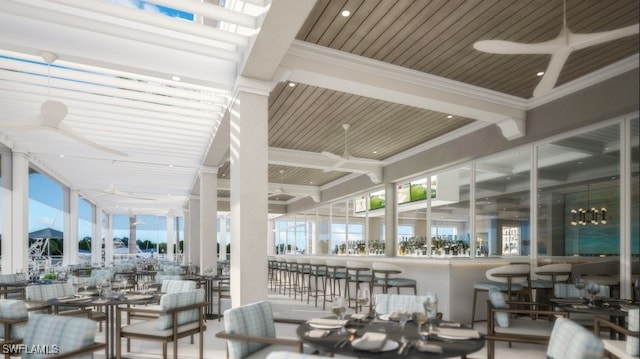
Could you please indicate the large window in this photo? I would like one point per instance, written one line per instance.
(46, 219)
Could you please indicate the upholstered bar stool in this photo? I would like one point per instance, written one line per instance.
(510, 279)
(281, 274)
(272, 267)
(357, 273)
(292, 270)
(336, 272)
(318, 271)
(302, 277)
(387, 275)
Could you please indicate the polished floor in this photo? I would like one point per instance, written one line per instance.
(285, 306)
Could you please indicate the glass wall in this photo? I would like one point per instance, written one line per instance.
(502, 215)
(85, 230)
(573, 181)
(578, 194)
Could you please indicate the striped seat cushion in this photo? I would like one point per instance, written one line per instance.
(389, 303)
(45, 292)
(176, 300)
(570, 340)
(254, 319)
(16, 310)
(176, 286)
(64, 333)
(633, 343)
(497, 300)
(566, 290)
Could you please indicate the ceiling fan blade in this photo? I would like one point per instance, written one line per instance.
(548, 81)
(336, 165)
(581, 41)
(70, 133)
(514, 48)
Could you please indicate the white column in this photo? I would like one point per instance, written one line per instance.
(390, 220)
(108, 240)
(170, 236)
(249, 207)
(96, 237)
(222, 253)
(194, 231)
(208, 217)
(18, 241)
(7, 211)
(70, 240)
(187, 235)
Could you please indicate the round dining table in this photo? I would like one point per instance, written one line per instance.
(404, 341)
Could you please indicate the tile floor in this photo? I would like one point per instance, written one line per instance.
(286, 307)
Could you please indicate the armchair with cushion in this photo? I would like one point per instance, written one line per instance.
(251, 333)
(13, 320)
(623, 349)
(180, 315)
(570, 340)
(69, 337)
(518, 322)
(389, 303)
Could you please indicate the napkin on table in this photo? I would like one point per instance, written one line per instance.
(458, 332)
(317, 333)
(372, 341)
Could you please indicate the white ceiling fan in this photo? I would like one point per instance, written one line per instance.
(559, 48)
(112, 191)
(52, 115)
(280, 190)
(345, 157)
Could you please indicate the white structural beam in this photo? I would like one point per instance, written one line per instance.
(336, 70)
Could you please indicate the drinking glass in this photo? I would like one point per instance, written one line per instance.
(338, 307)
(403, 318)
(592, 289)
(362, 297)
(419, 318)
(431, 307)
(85, 284)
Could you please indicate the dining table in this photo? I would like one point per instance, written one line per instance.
(347, 338)
(109, 303)
(616, 310)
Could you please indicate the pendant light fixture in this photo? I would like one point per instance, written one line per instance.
(588, 215)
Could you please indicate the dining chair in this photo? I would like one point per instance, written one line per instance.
(180, 315)
(570, 340)
(72, 337)
(510, 279)
(13, 320)
(389, 303)
(627, 348)
(546, 277)
(250, 330)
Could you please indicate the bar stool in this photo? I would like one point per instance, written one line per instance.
(281, 274)
(318, 270)
(336, 271)
(386, 275)
(291, 271)
(272, 267)
(356, 273)
(303, 269)
(508, 279)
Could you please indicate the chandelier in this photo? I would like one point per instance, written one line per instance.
(591, 215)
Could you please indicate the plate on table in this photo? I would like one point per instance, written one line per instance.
(324, 326)
(567, 300)
(390, 317)
(389, 345)
(87, 293)
(453, 337)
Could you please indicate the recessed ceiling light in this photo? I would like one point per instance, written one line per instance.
(345, 13)
(175, 78)
(450, 116)
(310, 182)
(292, 84)
(375, 151)
(540, 73)
(61, 156)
